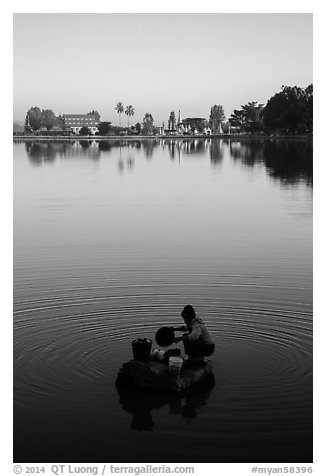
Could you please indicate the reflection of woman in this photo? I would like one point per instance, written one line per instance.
(195, 400)
(139, 407)
(140, 403)
(198, 341)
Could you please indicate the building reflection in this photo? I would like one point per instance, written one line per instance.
(180, 147)
(43, 151)
(140, 403)
(289, 161)
(195, 146)
(174, 148)
(39, 151)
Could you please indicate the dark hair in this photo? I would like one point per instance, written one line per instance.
(188, 313)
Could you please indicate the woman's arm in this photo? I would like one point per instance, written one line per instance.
(180, 328)
(178, 339)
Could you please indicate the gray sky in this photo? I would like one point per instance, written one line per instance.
(72, 63)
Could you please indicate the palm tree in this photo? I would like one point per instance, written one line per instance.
(119, 108)
(130, 111)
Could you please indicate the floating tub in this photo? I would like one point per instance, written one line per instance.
(156, 375)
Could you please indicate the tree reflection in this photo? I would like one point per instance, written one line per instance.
(34, 152)
(85, 143)
(249, 152)
(105, 145)
(130, 158)
(40, 152)
(148, 146)
(216, 151)
(289, 161)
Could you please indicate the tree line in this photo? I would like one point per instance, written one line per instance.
(289, 111)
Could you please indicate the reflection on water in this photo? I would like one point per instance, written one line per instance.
(217, 150)
(141, 403)
(288, 161)
(40, 152)
(111, 240)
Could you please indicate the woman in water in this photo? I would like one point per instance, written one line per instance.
(198, 341)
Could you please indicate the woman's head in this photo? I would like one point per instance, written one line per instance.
(188, 313)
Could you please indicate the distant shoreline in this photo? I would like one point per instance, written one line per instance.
(135, 137)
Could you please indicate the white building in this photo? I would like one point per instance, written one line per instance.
(77, 121)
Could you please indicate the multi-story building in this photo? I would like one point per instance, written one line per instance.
(77, 121)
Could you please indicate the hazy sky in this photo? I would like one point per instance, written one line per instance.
(72, 63)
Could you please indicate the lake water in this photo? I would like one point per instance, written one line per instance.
(111, 240)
